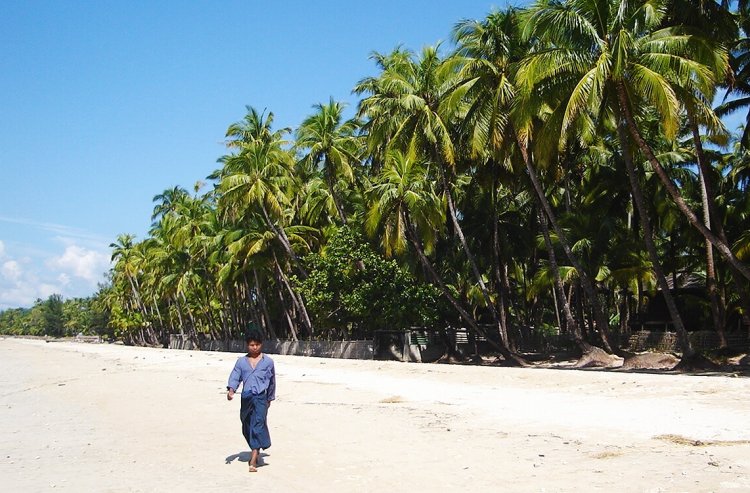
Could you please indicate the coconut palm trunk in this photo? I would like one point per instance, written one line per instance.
(670, 187)
(330, 180)
(648, 239)
(573, 329)
(297, 299)
(717, 304)
(465, 315)
(285, 308)
(264, 306)
(600, 318)
(467, 251)
(285, 243)
(498, 268)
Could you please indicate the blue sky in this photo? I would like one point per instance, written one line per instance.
(105, 104)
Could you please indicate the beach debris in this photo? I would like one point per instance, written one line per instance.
(598, 358)
(681, 440)
(651, 361)
(392, 400)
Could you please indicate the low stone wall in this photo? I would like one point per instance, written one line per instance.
(88, 339)
(321, 349)
(704, 340)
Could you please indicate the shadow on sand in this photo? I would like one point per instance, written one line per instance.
(245, 457)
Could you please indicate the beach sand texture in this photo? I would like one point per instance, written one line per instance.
(109, 418)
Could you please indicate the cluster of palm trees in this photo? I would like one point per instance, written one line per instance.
(549, 171)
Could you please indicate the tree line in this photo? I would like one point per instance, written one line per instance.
(57, 317)
(553, 170)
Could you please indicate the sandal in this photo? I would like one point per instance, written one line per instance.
(252, 468)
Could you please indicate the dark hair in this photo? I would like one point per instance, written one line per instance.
(253, 335)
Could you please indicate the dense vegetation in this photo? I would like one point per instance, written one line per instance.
(556, 169)
(58, 318)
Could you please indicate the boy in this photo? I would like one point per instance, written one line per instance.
(258, 376)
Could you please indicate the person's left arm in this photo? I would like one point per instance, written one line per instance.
(272, 385)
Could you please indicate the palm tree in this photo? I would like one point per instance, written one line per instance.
(407, 209)
(254, 127)
(488, 49)
(167, 201)
(257, 178)
(378, 122)
(492, 50)
(331, 144)
(423, 100)
(403, 194)
(633, 61)
(629, 62)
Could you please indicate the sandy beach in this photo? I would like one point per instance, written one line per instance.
(110, 418)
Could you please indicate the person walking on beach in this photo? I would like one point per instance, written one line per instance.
(258, 376)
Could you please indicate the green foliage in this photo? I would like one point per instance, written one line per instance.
(445, 170)
(354, 288)
(56, 317)
(52, 310)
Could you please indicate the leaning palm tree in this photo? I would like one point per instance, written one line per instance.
(491, 50)
(331, 144)
(406, 210)
(422, 98)
(615, 56)
(257, 178)
(629, 64)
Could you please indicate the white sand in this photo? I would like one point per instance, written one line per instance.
(81, 417)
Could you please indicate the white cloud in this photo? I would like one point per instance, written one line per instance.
(11, 270)
(28, 273)
(22, 295)
(46, 258)
(81, 262)
(63, 279)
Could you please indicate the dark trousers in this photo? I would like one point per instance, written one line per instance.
(253, 413)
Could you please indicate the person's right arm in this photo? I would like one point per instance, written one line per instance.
(234, 380)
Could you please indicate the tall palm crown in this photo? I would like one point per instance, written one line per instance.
(404, 198)
(597, 46)
(415, 93)
(256, 178)
(255, 126)
(332, 144)
(490, 50)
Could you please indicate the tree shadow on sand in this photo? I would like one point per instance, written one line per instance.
(245, 457)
